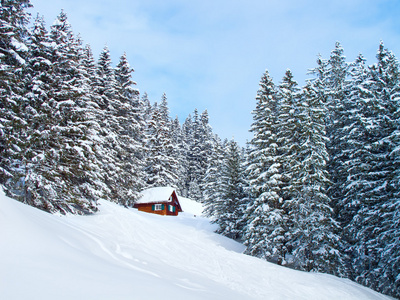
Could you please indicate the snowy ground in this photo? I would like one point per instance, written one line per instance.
(121, 253)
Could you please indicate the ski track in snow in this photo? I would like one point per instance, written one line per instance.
(121, 253)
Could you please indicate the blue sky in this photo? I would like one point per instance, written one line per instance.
(211, 54)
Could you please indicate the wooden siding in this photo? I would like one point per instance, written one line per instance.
(149, 208)
(171, 202)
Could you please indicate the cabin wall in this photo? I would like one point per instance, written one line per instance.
(148, 208)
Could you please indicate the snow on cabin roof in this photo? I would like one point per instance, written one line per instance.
(156, 194)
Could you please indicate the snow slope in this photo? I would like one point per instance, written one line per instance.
(121, 253)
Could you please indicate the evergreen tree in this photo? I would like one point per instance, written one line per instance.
(187, 132)
(195, 163)
(13, 34)
(60, 177)
(266, 220)
(125, 108)
(314, 238)
(351, 136)
(39, 78)
(335, 93)
(164, 110)
(213, 204)
(206, 148)
(229, 214)
(105, 87)
(288, 140)
(161, 165)
(93, 98)
(290, 128)
(179, 152)
(145, 107)
(377, 190)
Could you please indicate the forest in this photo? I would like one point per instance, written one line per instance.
(316, 189)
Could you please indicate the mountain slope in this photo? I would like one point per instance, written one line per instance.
(121, 253)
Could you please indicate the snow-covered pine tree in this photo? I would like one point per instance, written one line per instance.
(13, 34)
(92, 99)
(389, 237)
(145, 107)
(334, 85)
(352, 139)
(196, 168)
(212, 181)
(314, 234)
(126, 109)
(372, 227)
(105, 87)
(180, 153)
(71, 93)
(59, 176)
(164, 110)
(38, 80)
(206, 145)
(160, 164)
(288, 140)
(106, 81)
(187, 132)
(266, 219)
(229, 214)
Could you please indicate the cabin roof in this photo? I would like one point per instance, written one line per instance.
(156, 194)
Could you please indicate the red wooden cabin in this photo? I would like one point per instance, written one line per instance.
(160, 201)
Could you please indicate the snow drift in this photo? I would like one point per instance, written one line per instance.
(121, 253)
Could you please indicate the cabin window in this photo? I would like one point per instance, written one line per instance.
(171, 208)
(158, 207)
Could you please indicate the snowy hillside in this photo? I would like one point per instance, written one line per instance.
(121, 253)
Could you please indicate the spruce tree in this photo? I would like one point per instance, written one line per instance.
(187, 132)
(39, 78)
(233, 197)
(266, 220)
(13, 52)
(195, 163)
(145, 107)
(370, 229)
(335, 88)
(213, 203)
(206, 147)
(60, 176)
(108, 146)
(126, 109)
(160, 164)
(314, 234)
(180, 153)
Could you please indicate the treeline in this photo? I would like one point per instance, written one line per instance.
(318, 187)
(74, 130)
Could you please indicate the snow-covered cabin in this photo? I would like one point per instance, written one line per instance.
(159, 200)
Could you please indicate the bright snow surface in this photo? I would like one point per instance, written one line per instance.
(155, 194)
(121, 253)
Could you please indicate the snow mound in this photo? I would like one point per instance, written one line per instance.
(191, 207)
(155, 194)
(122, 253)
